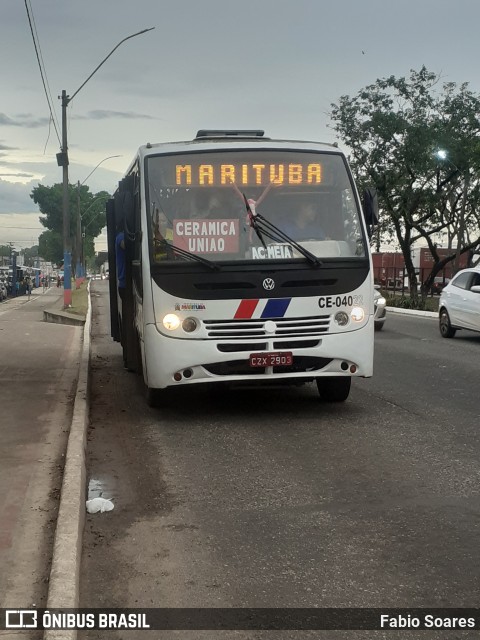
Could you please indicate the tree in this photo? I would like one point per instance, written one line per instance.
(30, 254)
(393, 129)
(5, 250)
(90, 207)
(50, 246)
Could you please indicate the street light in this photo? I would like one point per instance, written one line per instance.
(62, 161)
(83, 227)
(79, 249)
(443, 155)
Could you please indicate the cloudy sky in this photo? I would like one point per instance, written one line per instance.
(275, 65)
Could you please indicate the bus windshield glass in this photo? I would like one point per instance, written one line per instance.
(206, 204)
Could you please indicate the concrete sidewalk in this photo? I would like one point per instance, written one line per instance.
(39, 372)
(37, 294)
(44, 433)
(59, 315)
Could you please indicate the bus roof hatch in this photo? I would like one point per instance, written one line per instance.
(230, 133)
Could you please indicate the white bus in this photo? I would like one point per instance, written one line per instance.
(246, 260)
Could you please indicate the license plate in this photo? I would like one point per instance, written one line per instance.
(277, 359)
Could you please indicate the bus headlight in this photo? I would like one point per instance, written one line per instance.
(171, 322)
(341, 318)
(357, 314)
(189, 325)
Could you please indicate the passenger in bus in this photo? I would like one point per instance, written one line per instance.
(161, 227)
(208, 204)
(162, 234)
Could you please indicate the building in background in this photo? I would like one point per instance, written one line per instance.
(389, 267)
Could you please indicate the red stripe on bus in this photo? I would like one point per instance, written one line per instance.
(245, 309)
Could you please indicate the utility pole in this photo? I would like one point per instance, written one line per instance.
(62, 161)
(13, 260)
(78, 244)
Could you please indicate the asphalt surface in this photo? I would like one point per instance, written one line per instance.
(38, 378)
(271, 498)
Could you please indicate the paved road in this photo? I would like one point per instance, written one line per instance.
(272, 498)
(421, 371)
(38, 373)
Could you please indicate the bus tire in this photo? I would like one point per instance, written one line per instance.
(158, 397)
(334, 389)
(138, 351)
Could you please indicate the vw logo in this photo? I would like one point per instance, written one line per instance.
(268, 284)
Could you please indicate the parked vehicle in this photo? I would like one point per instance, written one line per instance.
(438, 285)
(380, 314)
(459, 306)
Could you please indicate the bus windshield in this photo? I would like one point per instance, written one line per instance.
(205, 204)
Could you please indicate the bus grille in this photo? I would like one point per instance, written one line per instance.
(301, 364)
(285, 327)
(285, 343)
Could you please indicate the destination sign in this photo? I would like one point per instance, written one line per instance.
(207, 236)
(248, 174)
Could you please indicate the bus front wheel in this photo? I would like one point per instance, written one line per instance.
(154, 397)
(159, 397)
(334, 389)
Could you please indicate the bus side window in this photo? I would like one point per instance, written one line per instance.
(137, 244)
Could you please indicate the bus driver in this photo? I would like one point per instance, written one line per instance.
(304, 224)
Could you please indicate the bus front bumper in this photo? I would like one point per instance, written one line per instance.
(170, 362)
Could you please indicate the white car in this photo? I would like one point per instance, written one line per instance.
(459, 306)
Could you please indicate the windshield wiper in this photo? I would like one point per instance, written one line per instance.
(263, 227)
(187, 254)
(252, 216)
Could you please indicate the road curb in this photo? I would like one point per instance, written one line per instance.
(62, 317)
(64, 583)
(413, 312)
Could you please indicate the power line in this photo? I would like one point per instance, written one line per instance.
(22, 242)
(50, 120)
(41, 67)
(43, 64)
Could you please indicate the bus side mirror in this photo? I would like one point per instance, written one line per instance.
(370, 209)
